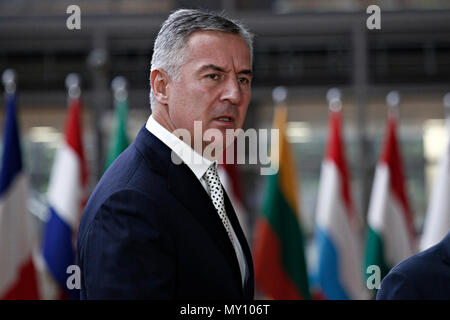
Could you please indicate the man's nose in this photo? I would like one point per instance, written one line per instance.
(232, 91)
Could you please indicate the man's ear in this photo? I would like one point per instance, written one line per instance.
(159, 80)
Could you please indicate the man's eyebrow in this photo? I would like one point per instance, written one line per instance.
(246, 71)
(220, 69)
(211, 67)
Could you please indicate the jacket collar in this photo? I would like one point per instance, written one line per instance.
(196, 162)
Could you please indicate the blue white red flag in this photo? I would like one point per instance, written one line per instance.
(66, 197)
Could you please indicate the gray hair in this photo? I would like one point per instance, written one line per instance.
(169, 51)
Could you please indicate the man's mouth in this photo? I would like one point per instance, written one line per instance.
(227, 119)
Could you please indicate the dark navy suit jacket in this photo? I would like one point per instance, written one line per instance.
(150, 231)
(425, 275)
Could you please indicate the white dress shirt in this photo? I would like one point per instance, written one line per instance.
(199, 165)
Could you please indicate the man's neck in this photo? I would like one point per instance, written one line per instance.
(160, 115)
(162, 118)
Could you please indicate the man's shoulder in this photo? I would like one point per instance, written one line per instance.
(133, 180)
(129, 172)
(138, 165)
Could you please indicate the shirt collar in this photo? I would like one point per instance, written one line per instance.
(196, 162)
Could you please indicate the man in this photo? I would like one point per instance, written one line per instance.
(157, 229)
(424, 276)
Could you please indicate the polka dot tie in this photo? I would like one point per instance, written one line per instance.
(216, 194)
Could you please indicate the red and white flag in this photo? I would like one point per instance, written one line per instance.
(391, 235)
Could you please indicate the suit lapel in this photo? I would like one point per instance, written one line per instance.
(185, 186)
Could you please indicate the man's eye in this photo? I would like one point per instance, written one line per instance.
(243, 80)
(214, 76)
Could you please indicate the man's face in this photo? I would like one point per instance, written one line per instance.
(214, 85)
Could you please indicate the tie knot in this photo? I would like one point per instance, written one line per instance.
(212, 179)
(211, 174)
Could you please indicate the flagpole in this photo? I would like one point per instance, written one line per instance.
(334, 99)
(119, 86)
(118, 139)
(393, 101)
(9, 78)
(73, 86)
(279, 95)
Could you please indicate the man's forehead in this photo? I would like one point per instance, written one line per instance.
(205, 37)
(207, 48)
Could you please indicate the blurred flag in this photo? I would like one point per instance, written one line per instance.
(18, 278)
(119, 140)
(390, 234)
(437, 220)
(279, 246)
(66, 198)
(337, 224)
